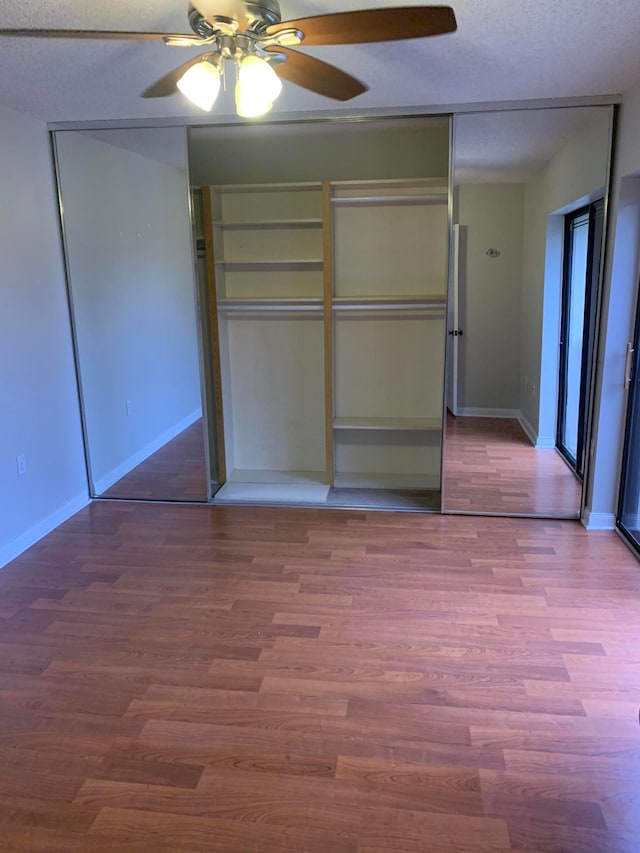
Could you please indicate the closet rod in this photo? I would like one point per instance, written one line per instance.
(262, 308)
(391, 200)
(392, 306)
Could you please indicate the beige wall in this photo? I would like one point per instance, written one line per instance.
(320, 152)
(575, 176)
(489, 296)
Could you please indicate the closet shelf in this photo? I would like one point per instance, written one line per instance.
(264, 224)
(270, 486)
(290, 477)
(388, 424)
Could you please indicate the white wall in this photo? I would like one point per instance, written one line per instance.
(39, 414)
(489, 297)
(129, 252)
(621, 288)
(575, 176)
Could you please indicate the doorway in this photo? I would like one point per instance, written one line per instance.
(582, 251)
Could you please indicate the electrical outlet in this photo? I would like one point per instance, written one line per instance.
(22, 464)
(129, 408)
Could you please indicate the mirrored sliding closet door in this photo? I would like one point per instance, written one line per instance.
(128, 242)
(529, 190)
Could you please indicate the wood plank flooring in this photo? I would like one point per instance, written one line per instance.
(491, 466)
(176, 472)
(195, 678)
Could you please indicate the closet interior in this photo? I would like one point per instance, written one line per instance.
(327, 302)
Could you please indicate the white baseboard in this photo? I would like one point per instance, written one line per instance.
(14, 548)
(475, 412)
(527, 428)
(598, 520)
(100, 486)
(540, 442)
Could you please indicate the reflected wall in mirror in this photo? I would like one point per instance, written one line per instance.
(127, 233)
(527, 244)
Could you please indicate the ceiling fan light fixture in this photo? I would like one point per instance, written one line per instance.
(249, 107)
(252, 34)
(201, 84)
(257, 88)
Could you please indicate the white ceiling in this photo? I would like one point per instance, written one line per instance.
(509, 147)
(503, 50)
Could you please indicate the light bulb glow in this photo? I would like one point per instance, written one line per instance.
(248, 106)
(201, 84)
(257, 88)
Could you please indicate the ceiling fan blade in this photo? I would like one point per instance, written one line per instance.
(234, 9)
(316, 75)
(167, 85)
(94, 34)
(371, 25)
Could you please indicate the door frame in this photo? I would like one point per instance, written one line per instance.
(452, 324)
(595, 210)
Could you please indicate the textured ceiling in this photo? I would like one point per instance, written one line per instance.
(509, 147)
(503, 50)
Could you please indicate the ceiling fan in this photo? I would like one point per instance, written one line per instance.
(252, 35)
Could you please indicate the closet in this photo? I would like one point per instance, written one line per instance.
(326, 252)
(388, 302)
(330, 306)
(268, 263)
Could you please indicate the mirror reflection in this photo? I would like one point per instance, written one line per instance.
(528, 216)
(130, 268)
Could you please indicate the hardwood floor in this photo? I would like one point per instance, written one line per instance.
(176, 472)
(491, 466)
(195, 678)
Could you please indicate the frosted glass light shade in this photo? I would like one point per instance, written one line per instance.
(257, 88)
(248, 106)
(200, 84)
